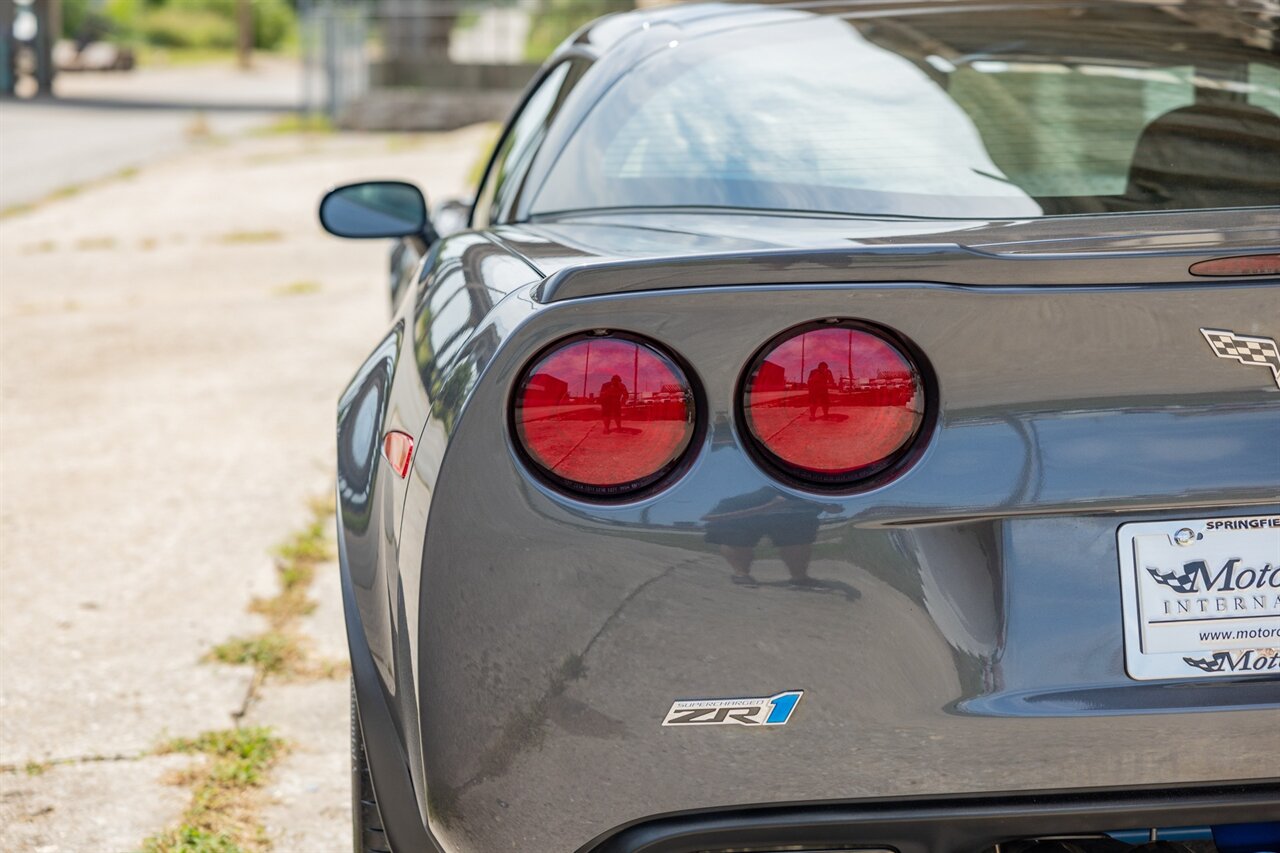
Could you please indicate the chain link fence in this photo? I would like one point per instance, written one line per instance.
(423, 64)
(334, 43)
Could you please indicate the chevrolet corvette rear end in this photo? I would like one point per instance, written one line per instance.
(837, 428)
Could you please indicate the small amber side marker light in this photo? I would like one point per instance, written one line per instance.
(397, 449)
(1239, 265)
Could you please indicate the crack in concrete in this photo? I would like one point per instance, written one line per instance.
(250, 696)
(35, 768)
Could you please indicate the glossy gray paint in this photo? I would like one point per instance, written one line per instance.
(518, 648)
(651, 251)
(543, 637)
(944, 620)
(1162, 255)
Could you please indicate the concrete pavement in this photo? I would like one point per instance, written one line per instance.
(172, 345)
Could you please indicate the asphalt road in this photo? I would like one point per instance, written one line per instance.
(102, 123)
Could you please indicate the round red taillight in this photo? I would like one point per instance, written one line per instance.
(832, 403)
(604, 415)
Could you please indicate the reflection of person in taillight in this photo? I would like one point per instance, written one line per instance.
(557, 421)
(612, 395)
(864, 427)
(820, 384)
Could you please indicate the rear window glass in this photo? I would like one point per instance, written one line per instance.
(1006, 114)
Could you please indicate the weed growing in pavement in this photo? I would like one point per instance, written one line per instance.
(310, 545)
(281, 650)
(406, 142)
(235, 237)
(297, 123)
(191, 839)
(94, 244)
(58, 194)
(67, 191)
(270, 653)
(297, 288)
(221, 817)
(17, 209)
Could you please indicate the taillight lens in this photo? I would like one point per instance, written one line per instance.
(604, 415)
(833, 403)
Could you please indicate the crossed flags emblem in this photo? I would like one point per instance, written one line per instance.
(1213, 664)
(1180, 581)
(1245, 349)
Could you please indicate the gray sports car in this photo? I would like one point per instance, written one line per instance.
(831, 427)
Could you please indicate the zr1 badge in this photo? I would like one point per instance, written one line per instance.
(773, 710)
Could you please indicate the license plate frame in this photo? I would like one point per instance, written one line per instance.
(1197, 597)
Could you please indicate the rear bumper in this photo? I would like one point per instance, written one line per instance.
(946, 825)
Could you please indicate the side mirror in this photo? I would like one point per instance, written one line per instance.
(372, 209)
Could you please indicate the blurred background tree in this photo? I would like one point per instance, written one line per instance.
(387, 64)
(421, 32)
(556, 20)
(206, 25)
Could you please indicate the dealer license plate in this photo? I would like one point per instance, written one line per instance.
(1201, 597)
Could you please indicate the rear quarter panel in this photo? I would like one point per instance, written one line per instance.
(414, 381)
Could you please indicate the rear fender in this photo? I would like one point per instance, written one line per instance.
(370, 497)
(388, 762)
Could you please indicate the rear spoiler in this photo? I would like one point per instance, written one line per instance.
(940, 263)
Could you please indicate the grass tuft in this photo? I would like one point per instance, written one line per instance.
(282, 609)
(306, 547)
(235, 237)
(95, 244)
(17, 209)
(191, 839)
(68, 191)
(405, 142)
(281, 650)
(65, 192)
(297, 288)
(271, 653)
(297, 123)
(220, 817)
(240, 756)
